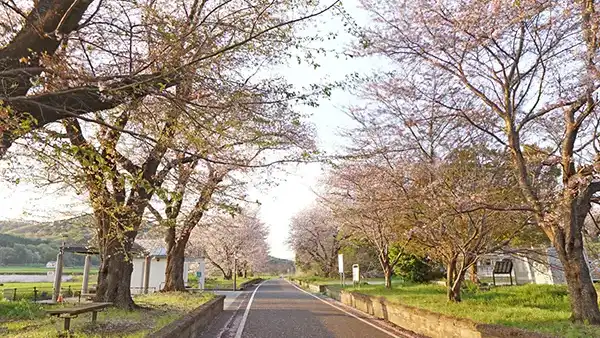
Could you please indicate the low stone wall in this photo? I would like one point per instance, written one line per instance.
(420, 321)
(251, 282)
(194, 322)
(309, 286)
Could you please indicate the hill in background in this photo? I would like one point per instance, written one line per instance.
(79, 230)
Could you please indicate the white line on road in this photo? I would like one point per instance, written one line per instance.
(226, 326)
(243, 322)
(344, 311)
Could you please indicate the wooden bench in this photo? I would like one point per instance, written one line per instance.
(73, 312)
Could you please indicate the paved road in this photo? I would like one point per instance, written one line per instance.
(278, 309)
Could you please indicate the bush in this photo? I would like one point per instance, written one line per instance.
(415, 269)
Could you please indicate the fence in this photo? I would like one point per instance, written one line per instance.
(45, 293)
(35, 293)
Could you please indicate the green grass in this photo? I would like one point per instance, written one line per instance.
(542, 308)
(25, 290)
(336, 281)
(28, 320)
(220, 283)
(42, 270)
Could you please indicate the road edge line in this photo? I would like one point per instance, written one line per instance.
(240, 329)
(235, 312)
(344, 311)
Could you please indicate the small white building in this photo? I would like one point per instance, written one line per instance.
(155, 258)
(51, 264)
(542, 268)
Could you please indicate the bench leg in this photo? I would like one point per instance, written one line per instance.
(67, 324)
(94, 316)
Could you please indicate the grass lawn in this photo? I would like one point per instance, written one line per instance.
(24, 319)
(542, 308)
(42, 270)
(220, 283)
(348, 282)
(26, 288)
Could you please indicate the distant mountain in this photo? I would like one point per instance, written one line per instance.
(279, 265)
(79, 230)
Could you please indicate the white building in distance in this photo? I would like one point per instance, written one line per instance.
(154, 258)
(541, 268)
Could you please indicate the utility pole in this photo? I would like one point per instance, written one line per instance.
(234, 273)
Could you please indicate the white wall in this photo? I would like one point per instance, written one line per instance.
(157, 274)
(137, 276)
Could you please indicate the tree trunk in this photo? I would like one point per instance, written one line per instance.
(450, 270)
(473, 274)
(454, 281)
(227, 275)
(174, 270)
(582, 294)
(114, 277)
(387, 272)
(454, 292)
(245, 273)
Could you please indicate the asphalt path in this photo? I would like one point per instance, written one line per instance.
(276, 309)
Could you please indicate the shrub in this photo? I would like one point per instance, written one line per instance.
(415, 269)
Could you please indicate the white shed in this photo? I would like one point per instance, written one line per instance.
(155, 259)
(544, 268)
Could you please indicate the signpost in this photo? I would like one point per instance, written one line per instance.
(200, 274)
(355, 274)
(341, 267)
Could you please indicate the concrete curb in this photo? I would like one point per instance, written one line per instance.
(194, 322)
(251, 282)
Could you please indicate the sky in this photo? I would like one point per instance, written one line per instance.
(279, 203)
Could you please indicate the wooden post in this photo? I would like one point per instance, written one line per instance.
(146, 281)
(67, 326)
(58, 274)
(86, 274)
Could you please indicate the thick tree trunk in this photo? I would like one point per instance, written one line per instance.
(114, 277)
(227, 275)
(582, 294)
(174, 270)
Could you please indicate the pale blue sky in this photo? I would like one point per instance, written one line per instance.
(279, 203)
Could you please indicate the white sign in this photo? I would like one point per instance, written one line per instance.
(355, 273)
(341, 263)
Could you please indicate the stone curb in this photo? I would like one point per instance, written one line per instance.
(192, 323)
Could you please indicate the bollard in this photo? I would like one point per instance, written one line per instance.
(14, 295)
(34, 294)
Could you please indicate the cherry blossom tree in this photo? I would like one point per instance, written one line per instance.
(316, 238)
(228, 240)
(528, 69)
(155, 78)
